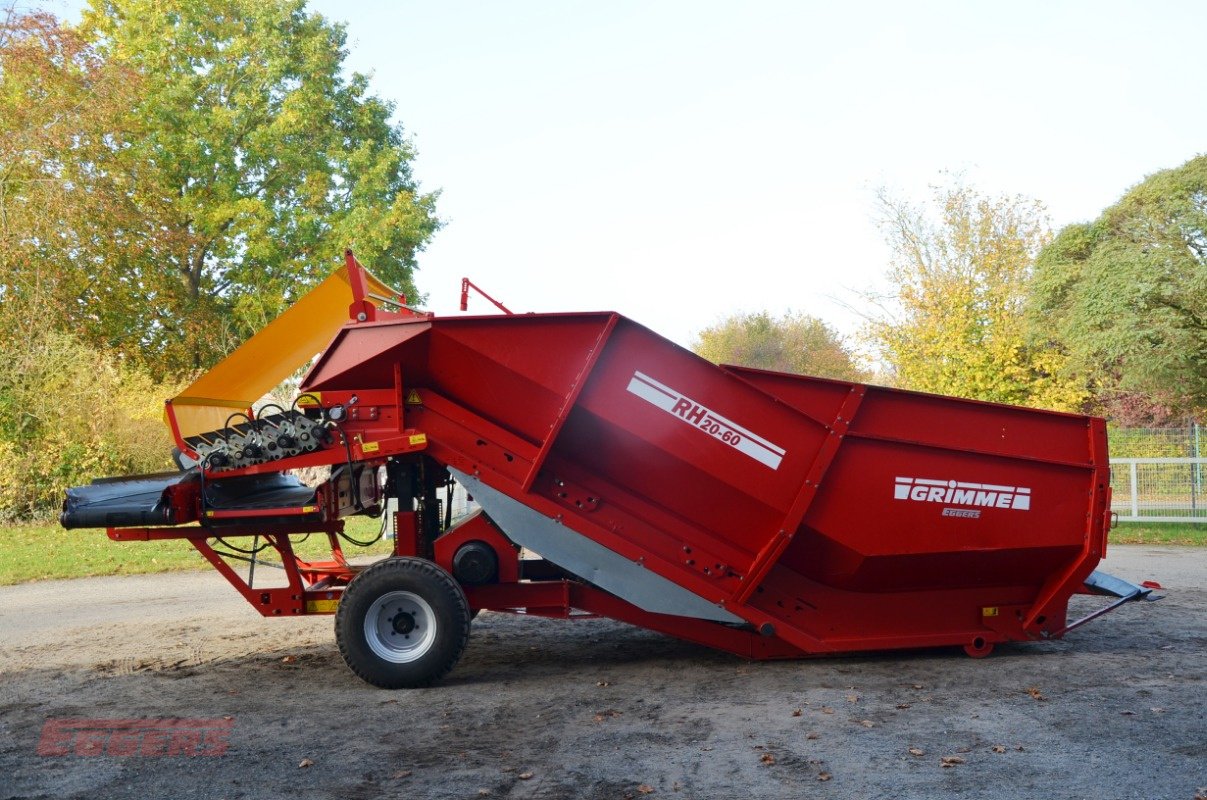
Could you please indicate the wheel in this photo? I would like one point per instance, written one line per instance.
(978, 648)
(402, 623)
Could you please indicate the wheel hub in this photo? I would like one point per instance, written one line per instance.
(400, 627)
(403, 622)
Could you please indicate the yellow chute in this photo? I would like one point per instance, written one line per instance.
(274, 353)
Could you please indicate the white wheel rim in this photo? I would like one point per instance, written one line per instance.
(400, 627)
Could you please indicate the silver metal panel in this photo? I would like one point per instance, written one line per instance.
(587, 559)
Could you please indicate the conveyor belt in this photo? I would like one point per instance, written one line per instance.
(118, 502)
(143, 499)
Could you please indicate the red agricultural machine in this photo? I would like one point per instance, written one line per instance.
(618, 475)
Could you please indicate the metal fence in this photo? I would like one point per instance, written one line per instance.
(1159, 474)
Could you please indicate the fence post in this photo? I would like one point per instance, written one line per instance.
(1135, 490)
(1196, 484)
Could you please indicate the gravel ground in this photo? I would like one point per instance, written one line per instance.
(597, 709)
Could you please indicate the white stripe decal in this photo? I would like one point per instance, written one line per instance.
(705, 419)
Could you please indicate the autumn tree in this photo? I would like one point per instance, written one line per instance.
(955, 322)
(59, 104)
(1127, 295)
(791, 343)
(243, 162)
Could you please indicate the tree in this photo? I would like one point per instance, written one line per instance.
(793, 343)
(955, 324)
(1126, 294)
(59, 103)
(243, 164)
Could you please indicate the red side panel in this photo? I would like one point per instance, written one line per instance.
(838, 515)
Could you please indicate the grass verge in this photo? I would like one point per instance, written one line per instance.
(43, 552)
(1191, 533)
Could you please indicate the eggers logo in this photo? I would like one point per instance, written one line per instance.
(959, 493)
(135, 737)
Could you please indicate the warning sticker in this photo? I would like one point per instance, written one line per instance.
(705, 419)
(413, 398)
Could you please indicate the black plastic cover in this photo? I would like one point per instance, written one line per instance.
(122, 502)
(143, 500)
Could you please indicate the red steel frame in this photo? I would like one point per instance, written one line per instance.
(401, 422)
(377, 430)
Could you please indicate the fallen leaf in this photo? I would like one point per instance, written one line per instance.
(917, 751)
(1035, 693)
(950, 761)
(824, 776)
(483, 792)
(797, 712)
(919, 686)
(767, 758)
(603, 683)
(827, 710)
(525, 776)
(645, 789)
(867, 723)
(812, 735)
(997, 748)
(903, 706)
(289, 659)
(402, 773)
(306, 762)
(852, 698)
(227, 717)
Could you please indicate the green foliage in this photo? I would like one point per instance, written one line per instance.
(70, 413)
(227, 165)
(1127, 293)
(793, 343)
(957, 327)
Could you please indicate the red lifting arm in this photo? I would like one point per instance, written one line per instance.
(467, 284)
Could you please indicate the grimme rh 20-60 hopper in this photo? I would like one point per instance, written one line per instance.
(770, 515)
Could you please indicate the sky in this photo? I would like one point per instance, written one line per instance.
(679, 162)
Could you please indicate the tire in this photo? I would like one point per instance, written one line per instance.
(402, 623)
